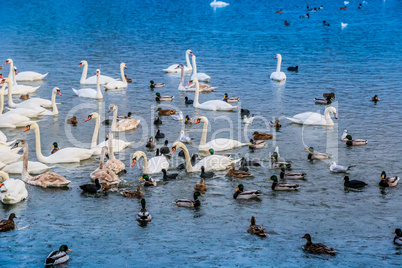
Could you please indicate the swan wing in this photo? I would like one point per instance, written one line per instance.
(33, 168)
(86, 93)
(156, 164)
(29, 76)
(222, 144)
(214, 163)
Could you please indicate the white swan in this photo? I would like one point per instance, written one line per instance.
(173, 68)
(3, 139)
(8, 157)
(220, 144)
(278, 75)
(212, 162)
(93, 79)
(65, 155)
(218, 4)
(191, 87)
(25, 76)
(37, 102)
(124, 124)
(199, 76)
(90, 92)
(20, 89)
(113, 164)
(118, 145)
(118, 84)
(213, 105)
(153, 165)
(310, 118)
(11, 191)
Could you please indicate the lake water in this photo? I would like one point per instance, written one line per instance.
(236, 46)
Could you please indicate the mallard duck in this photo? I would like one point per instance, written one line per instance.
(332, 95)
(258, 144)
(131, 194)
(188, 101)
(230, 99)
(150, 143)
(261, 136)
(159, 135)
(201, 186)
(243, 167)
(275, 124)
(91, 188)
(375, 98)
(188, 120)
(165, 149)
(256, 229)
(291, 68)
(169, 176)
(188, 202)
(155, 85)
(55, 147)
(398, 237)
(244, 112)
(148, 181)
(241, 194)
(157, 121)
(328, 100)
(158, 97)
(206, 174)
(281, 186)
(316, 155)
(143, 215)
(232, 172)
(291, 176)
(318, 248)
(24, 97)
(129, 80)
(57, 256)
(246, 162)
(388, 181)
(72, 120)
(279, 164)
(353, 183)
(166, 112)
(7, 225)
(357, 142)
(249, 120)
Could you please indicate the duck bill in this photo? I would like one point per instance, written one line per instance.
(202, 194)
(237, 189)
(141, 178)
(173, 150)
(133, 163)
(269, 179)
(69, 249)
(52, 146)
(307, 150)
(155, 95)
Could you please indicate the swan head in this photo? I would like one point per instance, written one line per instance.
(180, 66)
(83, 62)
(97, 72)
(113, 107)
(5, 80)
(57, 90)
(136, 156)
(8, 61)
(20, 143)
(15, 70)
(188, 51)
(123, 65)
(331, 110)
(278, 56)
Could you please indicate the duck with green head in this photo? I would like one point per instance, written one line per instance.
(188, 202)
(275, 124)
(351, 142)
(55, 147)
(281, 186)
(276, 163)
(159, 97)
(155, 85)
(148, 181)
(143, 215)
(316, 155)
(57, 256)
(328, 100)
(241, 194)
(258, 144)
(230, 99)
(291, 176)
(398, 237)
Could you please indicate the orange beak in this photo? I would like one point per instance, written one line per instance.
(80, 65)
(27, 128)
(58, 92)
(173, 150)
(198, 121)
(6, 63)
(189, 84)
(191, 53)
(275, 58)
(125, 67)
(1, 184)
(132, 164)
(97, 73)
(1, 76)
(89, 118)
(2, 81)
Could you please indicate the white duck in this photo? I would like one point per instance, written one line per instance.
(183, 137)
(90, 92)
(220, 144)
(113, 164)
(114, 84)
(210, 163)
(11, 191)
(338, 168)
(199, 76)
(213, 105)
(218, 4)
(124, 124)
(248, 121)
(104, 174)
(173, 68)
(65, 155)
(343, 137)
(20, 89)
(93, 80)
(278, 75)
(310, 118)
(153, 165)
(48, 179)
(118, 145)
(25, 76)
(178, 116)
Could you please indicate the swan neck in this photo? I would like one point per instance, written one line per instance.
(188, 61)
(145, 164)
(10, 94)
(2, 98)
(54, 106)
(194, 65)
(278, 65)
(110, 144)
(96, 132)
(123, 78)
(10, 74)
(39, 154)
(84, 72)
(114, 122)
(182, 77)
(25, 174)
(98, 89)
(14, 78)
(102, 158)
(204, 134)
(187, 157)
(197, 94)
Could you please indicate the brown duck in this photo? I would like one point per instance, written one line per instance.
(261, 136)
(72, 120)
(256, 229)
(7, 225)
(137, 193)
(201, 186)
(24, 97)
(232, 172)
(317, 248)
(165, 112)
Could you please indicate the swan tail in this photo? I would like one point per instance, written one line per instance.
(292, 119)
(76, 91)
(43, 76)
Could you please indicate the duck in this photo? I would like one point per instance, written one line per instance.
(55, 147)
(113, 164)
(352, 142)
(165, 149)
(275, 160)
(159, 135)
(356, 184)
(293, 69)
(57, 256)
(150, 143)
(306, 16)
(178, 116)
(291, 176)
(315, 119)
(188, 121)
(244, 112)
(188, 101)
(169, 176)
(248, 121)
(343, 137)
(148, 181)
(90, 92)
(206, 174)
(241, 194)
(316, 155)
(331, 94)
(388, 181)
(246, 162)
(318, 248)
(281, 186)
(328, 100)
(132, 194)
(183, 138)
(338, 168)
(261, 136)
(8, 225)
(243, 167)
(24, 97)
(129, 80)
(91, 188)
(157, 121)
(258, 144)
(375, 98)
(124, 124)
(143, 215)
(188, 202)
(201, 186)
(278, 75)
(165, 112)
(155, 85)
(192, 161)
(218, 4)
(72, 121)
(276, 124)
(11, 191)
(256, 229)
(279, 11)
(232, 172)
(116, 84)
(324, 23)
(230, 99)
(398, 237)
(343, 8)
(158, 97)
(286, 23)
